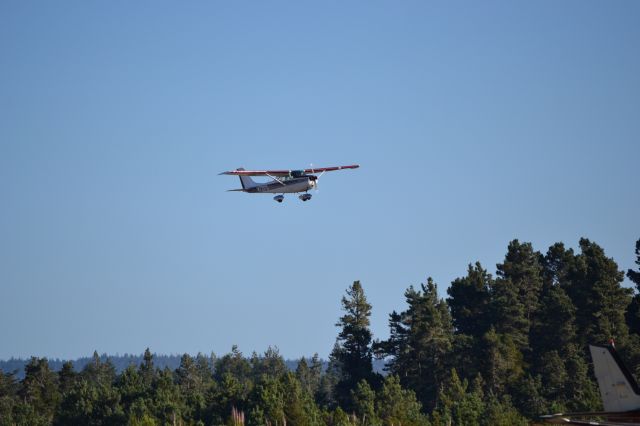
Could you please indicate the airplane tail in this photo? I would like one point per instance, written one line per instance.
(618, 388)
(246, 181)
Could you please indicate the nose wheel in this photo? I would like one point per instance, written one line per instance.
(279, 198)
(305, 197)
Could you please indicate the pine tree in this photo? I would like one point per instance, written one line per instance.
(234, 364)
(99, 372)
(67, 376)
(501, 362)
(192, 386)
(421, 343)
(635, 275)
(633, 312)
(457, 405)
(555, 328)
(598, 296)
(8, 392)
(39, 391)
(580, 391)
(353, 350)
(522, 266)
(168, 401)
(557, 265)
(270, 363)
(398, 406)
(147, 369)
(364, 404)
(521, 273)
(508, 313)
(470, 304)
(469, 301)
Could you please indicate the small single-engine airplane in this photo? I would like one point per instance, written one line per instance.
(283, 181)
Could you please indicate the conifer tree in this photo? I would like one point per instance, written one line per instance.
(598, 296)
(633, 312)
(469, 301)
(421, 343)
(555, 328)
(508, 313)
(147, 369)
(635, 275)
(470, 304)
(192, 386)
(398, 406)
(99, 372)
(234, 364)
(501, 362)
(522, 266)
(8, 391)
(39, 390)
(67, 377)
(364, 404)
(270, 363)
(557, 265)
(517, 292)
(353, 350)
(459, 405)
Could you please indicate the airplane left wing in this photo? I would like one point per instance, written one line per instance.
(285, 173)
(279, 173)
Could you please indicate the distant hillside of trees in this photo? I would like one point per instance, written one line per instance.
(499, 350)
(121, 362)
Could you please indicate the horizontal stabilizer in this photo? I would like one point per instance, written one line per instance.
(231, 190)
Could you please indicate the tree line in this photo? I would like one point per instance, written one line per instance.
(498, 350)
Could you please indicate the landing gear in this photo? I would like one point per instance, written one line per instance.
(279, 198)
(305, 197)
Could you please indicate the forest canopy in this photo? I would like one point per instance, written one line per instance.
(499, 349)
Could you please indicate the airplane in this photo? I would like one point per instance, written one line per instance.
(283, 181)
(618, 389)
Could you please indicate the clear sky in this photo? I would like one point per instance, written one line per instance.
(474, 123)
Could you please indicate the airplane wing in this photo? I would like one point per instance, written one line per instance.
(285, 173)
(330, 169)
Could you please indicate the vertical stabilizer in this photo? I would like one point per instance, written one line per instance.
(246, 181)
(618, 388)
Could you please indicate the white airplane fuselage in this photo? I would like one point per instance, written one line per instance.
(288, 186)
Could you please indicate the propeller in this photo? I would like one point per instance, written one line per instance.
(314, 178)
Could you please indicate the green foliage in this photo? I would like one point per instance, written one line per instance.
(500, 412)
(600, 300)
(39, 393)
(352, 353)
(635, 275)
(508, 313)
(8, 397)
(458, 404)
(364, 404)
(633, 312)
(421, 343)
(502, 362)
(469, 301)
(398, 406)
(499, 352)
(522, 267)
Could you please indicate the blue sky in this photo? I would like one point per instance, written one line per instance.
(474, 123)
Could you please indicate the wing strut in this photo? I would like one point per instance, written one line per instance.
(276, 179)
